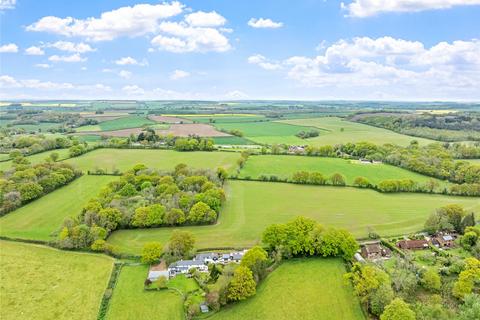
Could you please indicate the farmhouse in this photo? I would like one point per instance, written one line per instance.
(296, 149)
(443, 241)
(374, 251)
(412, 244)
(158, 270)
(184, 266)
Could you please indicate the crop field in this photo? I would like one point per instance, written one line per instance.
(124, 159)
(40, 218)
(130, 301)
(227, 118)
(117, 124)
(268, 132)
(338, 131)
(285, 166)
(38, 157)
(300, 289)
(232, 140)
(252, 206)
(43, 283)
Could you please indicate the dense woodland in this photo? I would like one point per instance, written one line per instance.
(144, 198)
(31, 144)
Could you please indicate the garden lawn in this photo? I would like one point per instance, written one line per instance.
(268, 132)
(38, 157)
(286, 166)
(42, 217)
(332, 132)
(300, 289)
(125, 159)
(118, 124)
(130, 301)
(43, 283)
(252, 206)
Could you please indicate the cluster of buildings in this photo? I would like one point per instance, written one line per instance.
(200, 262)
(376, 251)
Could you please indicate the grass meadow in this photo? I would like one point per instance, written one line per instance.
(252, 206)
(124, 159)
(300, 289)
(285, 166)
(130, 301)
(118, 124)
(267, 132)
(336, 131)
(38, 157)
(43, 283)
(42, 217)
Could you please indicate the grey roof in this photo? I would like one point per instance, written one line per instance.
(237, 256)
(447, 238)
(185, 263)
(207, 255)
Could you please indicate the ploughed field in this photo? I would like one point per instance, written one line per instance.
(285, 166)
(43, 283)
(125, 159)
(252, 206)
(299, 289)
(42, 218)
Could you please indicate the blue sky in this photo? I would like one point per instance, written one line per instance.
(222, 50)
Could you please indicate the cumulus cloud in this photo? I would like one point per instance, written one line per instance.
(71, 58)
(9, 48)
(133, 90)
(236, 95)
(7, 4)
(264, 23)
(71, 46)
(205, 19)
(179, 74)
(125, 74)
(263, 62)
(7, 81)
(367, 8)
(130, 61)
(131, 21)
(393, 65)
(181, 37)
(34, 51)
(43, 65)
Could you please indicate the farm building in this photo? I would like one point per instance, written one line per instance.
(412, 244)
(158, 270)
(374, 251)
(184, 266)
(443, 241)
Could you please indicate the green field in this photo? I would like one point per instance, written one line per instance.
(124, 159)
(267, 132)
(339, 131)
(232, 140)
(285, 166)
(252, 206)
(40, 218)
(300, 289)
(38, 157)
(118, 124)
(41, 126)
(130, 301)
(43, 283)
(226, 118)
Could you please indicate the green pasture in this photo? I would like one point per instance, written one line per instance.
(124, 159)
(285, 166)
(252, 206)
(300, 289)
(41, 126)
(118, 124)
(38, 157)
(268, 132)
(337, 131)
(130, 301)
(43, 283)
(227, 118)
(41, 218)
(232, 140)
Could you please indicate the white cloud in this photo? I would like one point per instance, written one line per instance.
(367, 8)
(205, 19)
(43, 65)
(264, 23)
(236, 95)
(395, 67)
(7, 4)
(132, 90)
(261, 61)
(71, 46)
(125, 74)
(12, 83)
(180, 37)
(9, 48)
(179, 74)
(34, 51)
(130, 61)
(128, 21)
(72, 58)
